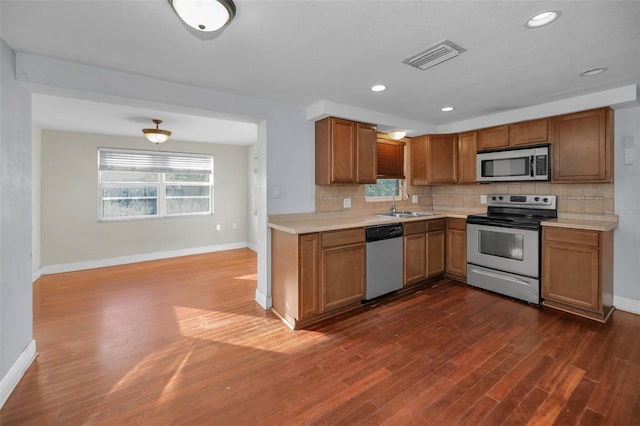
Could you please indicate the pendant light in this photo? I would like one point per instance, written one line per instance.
(156, 135)
(204, 15)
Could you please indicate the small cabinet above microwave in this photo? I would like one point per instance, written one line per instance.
(514, 135)
(520, 164)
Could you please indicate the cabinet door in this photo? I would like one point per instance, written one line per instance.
(343, 275)
(493, 137)
(309, 297)
(467, 153)
(434, 159)
(442, 158)
(456, 261)
(529, 132)
(582, 146)
(435, 253)
(414, 258)
(366, 153)
(343, 151)
(571, 267)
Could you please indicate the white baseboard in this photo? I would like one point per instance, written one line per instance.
(114, 261)
(17, 370)
(627, 305)
(35, 275)
(263, 300)
(253, 246)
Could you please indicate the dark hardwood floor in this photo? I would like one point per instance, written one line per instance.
(181, 341)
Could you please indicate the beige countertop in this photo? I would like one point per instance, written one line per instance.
(587, 224)
(304, 223)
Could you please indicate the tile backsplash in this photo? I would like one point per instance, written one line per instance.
(593, 199)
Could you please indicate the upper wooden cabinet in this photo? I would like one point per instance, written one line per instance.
(493, 137)
(467, 153)
(390, 158)
(434, 159)
(345, 152)
(529, 132)
(583, 146)
(524, 133)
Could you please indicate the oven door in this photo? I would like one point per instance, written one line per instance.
(504, 249)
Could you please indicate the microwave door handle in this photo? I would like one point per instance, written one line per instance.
(531, 163)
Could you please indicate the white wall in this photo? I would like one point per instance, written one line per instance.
(72, 235)
(627, 192)
(252, 188)
(17, 347)
(36, 164)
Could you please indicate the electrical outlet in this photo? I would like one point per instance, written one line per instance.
(346, 203)
(414, 199)
(483, 199)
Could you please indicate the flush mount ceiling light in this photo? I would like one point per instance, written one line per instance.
(541, 19)
(595, 71)
(447, 109)
(156, 135)
(397, 134)
(205, 15)
(378, 88)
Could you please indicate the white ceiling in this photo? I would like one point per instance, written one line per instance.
(305, 52)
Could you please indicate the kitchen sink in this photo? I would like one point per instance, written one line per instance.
(406, 214)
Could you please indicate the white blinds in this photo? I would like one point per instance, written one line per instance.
(153, 161)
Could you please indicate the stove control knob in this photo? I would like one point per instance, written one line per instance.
(545, 199)
(493, 198)
(500, 198)
(536, 199)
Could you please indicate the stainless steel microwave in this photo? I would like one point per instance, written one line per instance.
(514, 165)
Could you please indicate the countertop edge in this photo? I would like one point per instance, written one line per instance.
(589, 225)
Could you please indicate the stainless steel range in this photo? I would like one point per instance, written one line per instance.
(503, 245)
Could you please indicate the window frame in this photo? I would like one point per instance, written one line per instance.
(161, 184)
(382, 198)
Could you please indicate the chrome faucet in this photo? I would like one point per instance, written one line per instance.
(399, 188)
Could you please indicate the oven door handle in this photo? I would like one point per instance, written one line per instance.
(501, 277)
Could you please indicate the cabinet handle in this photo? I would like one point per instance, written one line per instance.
(501, 277)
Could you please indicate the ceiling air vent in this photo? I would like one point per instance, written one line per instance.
(434, 55)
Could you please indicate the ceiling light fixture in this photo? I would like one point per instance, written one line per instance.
(204, 15)
(397, 134)
(541, 19)
(595, 71)
(378, 88)
(156, 135)
(447, 109)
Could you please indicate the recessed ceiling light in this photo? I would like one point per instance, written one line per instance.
(541, 19)
(447, 109)
(595, 71)
(378, 88)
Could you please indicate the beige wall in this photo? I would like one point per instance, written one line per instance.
(70, 230)
(597, 199)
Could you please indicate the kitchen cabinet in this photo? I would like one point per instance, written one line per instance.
(317, 273)
(456, 256)
(493, 137)
(577, 271)
(342, 268)
(434, 159)
(345, 152)
(583, 146)
(529, 132)
(467, 157)
(523, 133)
(424, 250)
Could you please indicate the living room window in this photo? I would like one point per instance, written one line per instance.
(148, 184)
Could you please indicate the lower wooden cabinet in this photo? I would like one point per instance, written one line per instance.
(577, 271)
(456, 266)
(343, 268)
(423, 246)
(314, 274)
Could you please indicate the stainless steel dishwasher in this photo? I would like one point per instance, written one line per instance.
(384, 259)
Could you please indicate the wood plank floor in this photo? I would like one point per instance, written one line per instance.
(181, 341)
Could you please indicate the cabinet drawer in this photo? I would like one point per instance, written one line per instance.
(342, 238)
(411, 228)
(435, 225)
(456, 223)
(572, 236)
